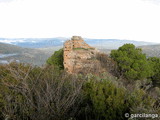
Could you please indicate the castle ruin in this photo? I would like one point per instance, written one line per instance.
(76, 54)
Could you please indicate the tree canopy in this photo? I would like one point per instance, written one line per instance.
(56, 59)
(132, 62)
(155, 63)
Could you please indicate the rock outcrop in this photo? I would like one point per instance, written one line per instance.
(79, 57)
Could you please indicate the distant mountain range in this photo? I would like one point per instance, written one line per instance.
(34, 42)
(52, 42)
(37, 50)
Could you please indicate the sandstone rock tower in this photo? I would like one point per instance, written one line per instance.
(78, 55)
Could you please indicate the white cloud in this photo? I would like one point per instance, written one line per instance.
(121, 19)
(153, 1)
(5, 1)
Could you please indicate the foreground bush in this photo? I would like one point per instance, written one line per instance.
(104, 99)
(34, 93)
(39, 94)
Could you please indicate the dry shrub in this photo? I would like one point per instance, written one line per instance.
(108, 63)
(40, 93)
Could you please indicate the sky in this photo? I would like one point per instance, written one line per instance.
(108, 19)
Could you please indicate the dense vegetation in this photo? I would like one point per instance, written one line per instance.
(49, 93)
(132, 62)
(56, 59)
(155, 63)
(134, 65)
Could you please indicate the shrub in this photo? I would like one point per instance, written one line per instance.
(28, 92)
(39, 93)
(104, 99)
(56, 59)
(140, 102)
(108, 63)
(155, 63)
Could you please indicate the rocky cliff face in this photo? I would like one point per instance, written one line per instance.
(79, 57)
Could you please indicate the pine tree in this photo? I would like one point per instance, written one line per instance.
(132, 62)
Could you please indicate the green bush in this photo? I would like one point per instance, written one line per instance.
(155, 63)
(56, 59)
(104, 99)
(140, 102)
(132, 62)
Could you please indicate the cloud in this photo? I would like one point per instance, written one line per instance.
(153, 1)
(2, 1)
